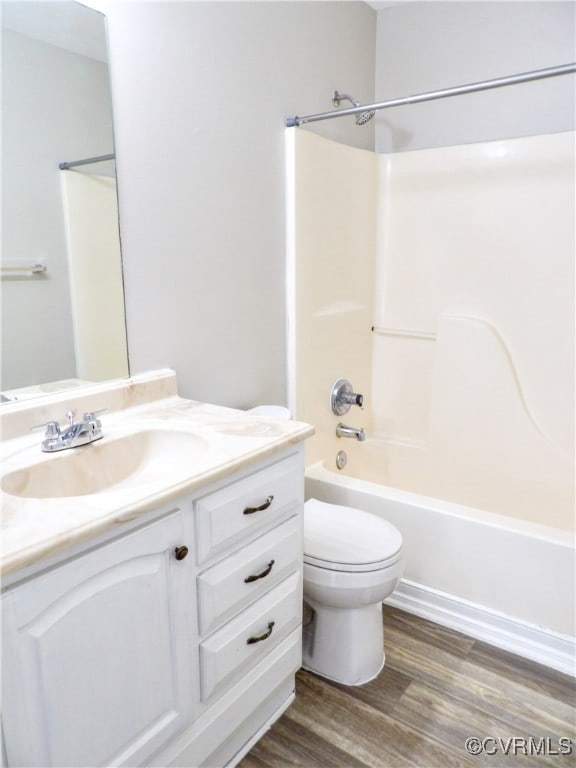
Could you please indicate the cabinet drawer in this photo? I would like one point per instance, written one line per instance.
(242, 578)
(241, 509)
(241, 643)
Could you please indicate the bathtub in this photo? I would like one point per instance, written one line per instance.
(508, 582)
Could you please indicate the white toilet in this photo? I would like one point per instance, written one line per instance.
(352, 561)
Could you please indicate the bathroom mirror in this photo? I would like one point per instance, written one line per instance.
(63, 321)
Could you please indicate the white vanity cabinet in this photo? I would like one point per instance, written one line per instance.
(130, 653)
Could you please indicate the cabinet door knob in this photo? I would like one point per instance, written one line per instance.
(257, 576)
(259, 638)
(180, 552)
(261, 508)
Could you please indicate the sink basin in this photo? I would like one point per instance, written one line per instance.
(152, 455)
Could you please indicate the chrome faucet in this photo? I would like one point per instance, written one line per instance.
(87, 430)
(343, 396)
(343, 431)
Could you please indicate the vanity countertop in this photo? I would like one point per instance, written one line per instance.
(34, 528)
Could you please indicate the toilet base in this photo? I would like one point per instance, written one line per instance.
(346, 646)
(343, 682)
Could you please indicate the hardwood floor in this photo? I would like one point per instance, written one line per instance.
(438, 689)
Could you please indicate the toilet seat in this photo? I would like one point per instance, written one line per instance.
(341, 538)
(330, 565)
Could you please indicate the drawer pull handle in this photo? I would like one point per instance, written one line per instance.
(265, 636)
(250, 579)
(180, 552)
(261, 508)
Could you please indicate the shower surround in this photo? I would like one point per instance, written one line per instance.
(440, 283)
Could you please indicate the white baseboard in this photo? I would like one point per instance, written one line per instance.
(529, 641)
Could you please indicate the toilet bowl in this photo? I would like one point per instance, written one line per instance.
(352, 561)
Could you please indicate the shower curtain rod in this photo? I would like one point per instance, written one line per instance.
(88, 161)
(525, 77)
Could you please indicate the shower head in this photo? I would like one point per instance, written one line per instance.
(362, 117)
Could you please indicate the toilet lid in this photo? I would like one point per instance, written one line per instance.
(348, 539)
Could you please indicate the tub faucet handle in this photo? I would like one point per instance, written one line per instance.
(343, 396)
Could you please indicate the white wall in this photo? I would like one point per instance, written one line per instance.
(473, 363)
(426, 46)
(334, 239)
(468, 373)
(55, 107)
(200, 92)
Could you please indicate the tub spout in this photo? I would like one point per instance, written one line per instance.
(343, 431)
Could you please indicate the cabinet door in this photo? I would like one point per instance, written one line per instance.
(97, 657)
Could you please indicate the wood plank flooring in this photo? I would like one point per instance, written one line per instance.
(438, 688)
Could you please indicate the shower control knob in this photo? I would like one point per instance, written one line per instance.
(343, 396)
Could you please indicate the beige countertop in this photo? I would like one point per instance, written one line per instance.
(34, 528)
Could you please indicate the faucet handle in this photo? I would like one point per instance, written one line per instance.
(52, 428)
(343, 396)
(93, 415)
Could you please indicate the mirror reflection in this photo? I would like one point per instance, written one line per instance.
(62, 296)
